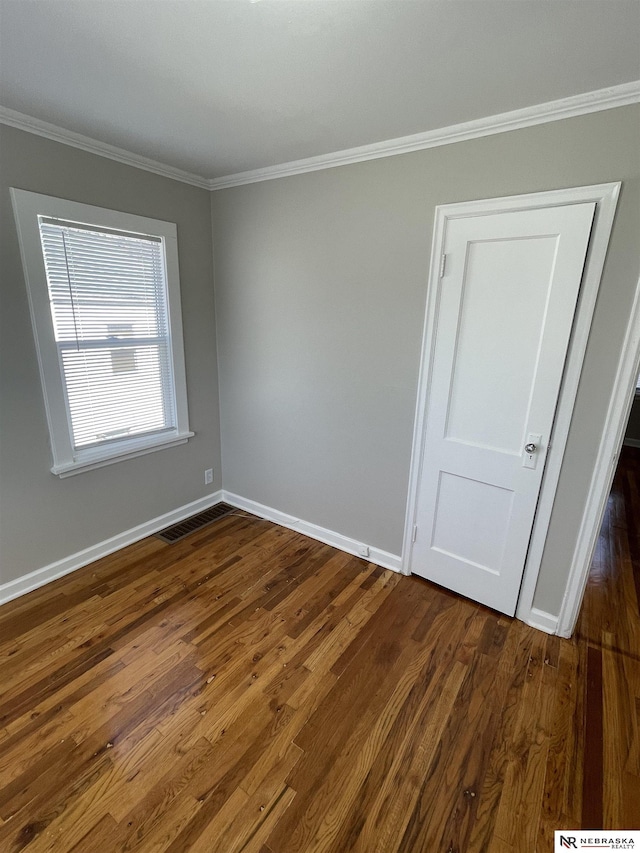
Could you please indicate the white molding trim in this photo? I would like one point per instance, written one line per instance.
(631, 442)
(621, 95)
(94, 146)
(40, 577)
(543, 621)
(576, 105)
(73, 468)
(605, 196)
(322, 534)
(622, 398)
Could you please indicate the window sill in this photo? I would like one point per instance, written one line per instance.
(98, 459)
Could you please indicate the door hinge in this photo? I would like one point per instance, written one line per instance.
(415, 533)
(443, 264)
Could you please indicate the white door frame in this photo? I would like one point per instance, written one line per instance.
(606, 197)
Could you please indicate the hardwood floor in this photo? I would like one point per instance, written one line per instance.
(609, 628)
(248, 689)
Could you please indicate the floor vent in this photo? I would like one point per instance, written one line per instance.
(196, 522)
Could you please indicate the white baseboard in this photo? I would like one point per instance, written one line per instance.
(543, 621)
(632, 442)
(40, 577)
(539, 619)
(53, 571)
(13, 589)
(329, 537)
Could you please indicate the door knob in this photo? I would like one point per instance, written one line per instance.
(530, 455)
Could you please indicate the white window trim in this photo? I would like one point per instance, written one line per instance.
(27, 207)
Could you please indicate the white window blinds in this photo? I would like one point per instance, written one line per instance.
(108, 297)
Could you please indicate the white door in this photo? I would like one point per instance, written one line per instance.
(504, 313)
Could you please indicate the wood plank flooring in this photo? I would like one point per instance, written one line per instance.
(248, 690)
(609, 627)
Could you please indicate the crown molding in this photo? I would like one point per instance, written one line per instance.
(94, 146)
(576, 105)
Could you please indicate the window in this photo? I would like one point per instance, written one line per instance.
(105, 305)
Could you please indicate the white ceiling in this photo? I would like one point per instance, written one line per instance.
(217, 87)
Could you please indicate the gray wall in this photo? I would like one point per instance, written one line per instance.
(44, 518)
(633, 427)
(320, 298)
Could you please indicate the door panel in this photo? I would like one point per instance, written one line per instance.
(490, 507)
(503, 322)
(480, 384)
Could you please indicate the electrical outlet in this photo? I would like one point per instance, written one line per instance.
(208, 476)
(363, 550)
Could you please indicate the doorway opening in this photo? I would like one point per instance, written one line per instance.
(609, 617)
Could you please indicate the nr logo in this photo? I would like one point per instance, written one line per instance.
(568, 841)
